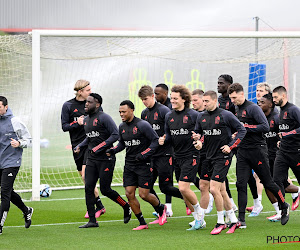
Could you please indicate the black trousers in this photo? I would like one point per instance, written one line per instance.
(163, 168)
(8, 176)
(283, 162)
(256, 159)
(100, 170)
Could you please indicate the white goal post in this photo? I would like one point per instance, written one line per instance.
(177, 48)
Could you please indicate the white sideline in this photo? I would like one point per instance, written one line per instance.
(111, 221)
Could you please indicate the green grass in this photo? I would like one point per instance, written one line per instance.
(56, 219)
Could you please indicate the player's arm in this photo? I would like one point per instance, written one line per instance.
(65, 118)
(198, 128)
(234, 125)
(111, 127)
(23, 136)
(167, 136)
(262, 122)
(152, 136)
(295, 114)
(119, 147)
(143, 114)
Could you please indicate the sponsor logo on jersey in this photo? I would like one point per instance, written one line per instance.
(93, 134)
(132, 143)
(185, 119)
(217, 120)
(270, 134)
(284, 126)
(134, 130)
(181, 131)
(285, 115)
(212, 131)
(156, 126)
(272, 124)
(155, 116)
(95, 122)
(244, 113)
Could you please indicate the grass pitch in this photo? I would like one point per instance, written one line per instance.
(56, 219)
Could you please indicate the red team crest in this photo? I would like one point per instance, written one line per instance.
(134, 131)
(75, 110)
(285, 115)
(155, 116)
(95, 122)
(227, 105)
(272, 124)
(244, 113)
(185, 119)
(217, 120)
(123, 131)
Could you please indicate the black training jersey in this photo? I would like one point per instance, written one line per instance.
(178, 128)
(71, 110)
(289, 126)
(137, 137)
(101, 132)
(255, 122)
(156, 117)
(225, 103)
(272, 136)
(216, 126)
(168, 103)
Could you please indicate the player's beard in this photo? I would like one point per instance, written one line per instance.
(91, 110)
(279, 103)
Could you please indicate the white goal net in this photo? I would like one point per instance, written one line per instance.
(117, 64)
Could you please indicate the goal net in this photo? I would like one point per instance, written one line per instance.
(117, 64)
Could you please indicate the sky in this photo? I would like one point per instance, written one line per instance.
(150, 14)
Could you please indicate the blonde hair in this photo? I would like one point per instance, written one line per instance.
(264, 85)
(79, 85)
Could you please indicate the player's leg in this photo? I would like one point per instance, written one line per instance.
(258, 207)
(165, 173)
(91, 178)
(106, 171)
(177, 170)
(135, 206)
(243, 172)
(130, 183)
(144, 175)
(229, 194)
(296, 170)
(218, 190)
(8, 176)
(295, 196)
(260, 165)
(154, 177)
(253, 189)
(169, 197)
